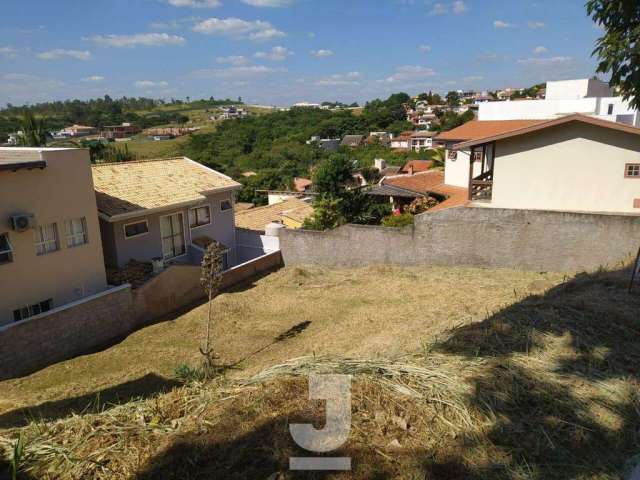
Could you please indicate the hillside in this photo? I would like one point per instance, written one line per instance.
(458, 373)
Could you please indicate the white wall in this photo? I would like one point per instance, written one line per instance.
(456, 172)
(570, 168)
(574, 89)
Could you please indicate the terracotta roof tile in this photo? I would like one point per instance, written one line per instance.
(431, 182)
(484, 128)
(129, 187)
(418, 166)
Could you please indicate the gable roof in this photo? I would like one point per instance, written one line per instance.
(129, 189)
(431, 182)
(484, 128)
(418, 166)
(577, 117)
(352, 140)
(258, 218)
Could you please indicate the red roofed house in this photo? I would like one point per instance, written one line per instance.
(573, 163)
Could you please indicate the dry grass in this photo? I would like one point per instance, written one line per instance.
(507, 384)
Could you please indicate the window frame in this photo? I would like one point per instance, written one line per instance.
(69, 237)
(124, 229)
(38, 243)
(230, 209)
(452, 155)
(19, 313)
(9, 252)
(195, 209)
(184, 237)
(628, 167)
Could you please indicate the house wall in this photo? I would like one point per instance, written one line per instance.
(456, 172)
(574, 167)
(481, 237)
(62, 191)
(581, 88)
(119, 250)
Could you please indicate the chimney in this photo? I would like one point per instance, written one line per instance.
(411, 169)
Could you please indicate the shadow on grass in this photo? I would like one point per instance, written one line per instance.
(145, 387)
(569, 405)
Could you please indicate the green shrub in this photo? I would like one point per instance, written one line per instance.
(187, 373)
(398, 221)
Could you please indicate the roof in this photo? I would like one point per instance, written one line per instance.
(423, 134)
(393, 191)
(418, 166)
(129, 189)
(301, 184)
(390, 170)
(483, 128)
(257, 218)
(352, 140)
(16, 159)
(431, 182)
(541, 125)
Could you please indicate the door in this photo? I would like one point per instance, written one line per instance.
(172, 232)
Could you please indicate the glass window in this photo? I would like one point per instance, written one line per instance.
(76, 232)
(610, 109)
(134, 229)
(32, 310)
(46, 238)
(172, 236)
(225, 205)
(199, 216)
(6, 251)
(633, 170)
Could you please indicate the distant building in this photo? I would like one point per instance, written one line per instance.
(422, 140)
(402, 141)
(302, 184)
(125, 130)
(326, 144)
(352, 141)
(79, 131)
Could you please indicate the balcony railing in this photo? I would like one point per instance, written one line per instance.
(482, 186)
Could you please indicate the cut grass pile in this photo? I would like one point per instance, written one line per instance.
(521, 379)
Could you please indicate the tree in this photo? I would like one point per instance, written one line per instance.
(211, 281)
(618, 48)
(332, 175)
(453, 98)
(33, 131)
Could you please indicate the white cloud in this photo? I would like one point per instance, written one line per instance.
(540, 49)
(93, 78)
(60, 53)
(139, 39)
(347, 79)
(322, 53)
(534, 25)
(269, 3)
(459, 7)
(277, 54)
(195, 3)
(233, 60)
(439, 9)
(148, 84)
(410, 72)
(545, 61)
(501, 24)
(235, 72)
(238, 28)
(424, 48)
(8, 52)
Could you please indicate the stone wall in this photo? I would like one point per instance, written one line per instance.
(65, 332)
(485, 237)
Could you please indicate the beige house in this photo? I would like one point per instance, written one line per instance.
(50, 249)
(574, 163)
(163, 211)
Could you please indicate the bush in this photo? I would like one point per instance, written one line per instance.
(398, 221)
(187, 373)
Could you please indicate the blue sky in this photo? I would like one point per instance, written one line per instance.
(278, 52)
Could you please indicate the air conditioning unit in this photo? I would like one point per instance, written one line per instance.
(22, 223)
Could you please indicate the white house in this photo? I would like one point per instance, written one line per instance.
(574, 163)
(587, 96)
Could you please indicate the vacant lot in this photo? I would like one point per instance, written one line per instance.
(457, 374)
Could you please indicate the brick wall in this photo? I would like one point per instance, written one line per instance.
(485, 237)
(66, 332)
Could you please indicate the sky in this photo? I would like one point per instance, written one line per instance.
(279, 52)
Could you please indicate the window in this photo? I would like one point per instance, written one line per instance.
(136, 229)
(477, 156)
(172, 236)
(225, 205)
(452, 155)
(6, 252)
(632, 170)
(199, 216)
(46, 238)
(32, 310)
(76, 232)
(610, 109)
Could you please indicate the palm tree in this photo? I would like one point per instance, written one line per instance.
(438, 157)
(33, 131)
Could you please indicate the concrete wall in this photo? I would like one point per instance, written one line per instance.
(573, 167)
(119, 250)
(62, 191)
(251, 244)
(518, 239)
(580, 88)
(63, 333)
